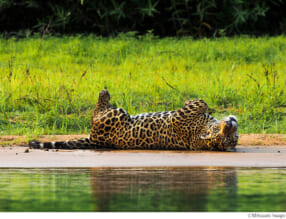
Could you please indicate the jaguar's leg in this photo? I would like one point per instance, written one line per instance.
(191, 115)
(101, 105)
(194, 107)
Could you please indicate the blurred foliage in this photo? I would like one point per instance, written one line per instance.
(164, 18)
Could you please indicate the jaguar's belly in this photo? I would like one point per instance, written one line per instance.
(145, 131)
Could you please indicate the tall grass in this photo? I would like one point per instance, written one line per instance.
(50, 85)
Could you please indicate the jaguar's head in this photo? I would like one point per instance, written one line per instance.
(222, 134)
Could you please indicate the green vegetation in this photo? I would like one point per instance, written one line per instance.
(50, 85)
(165, 18)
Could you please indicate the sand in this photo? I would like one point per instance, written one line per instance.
(254, 150)
(245, 156)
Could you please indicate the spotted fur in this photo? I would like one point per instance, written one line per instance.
(188, 128)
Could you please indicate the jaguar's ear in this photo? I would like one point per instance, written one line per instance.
(206, 136)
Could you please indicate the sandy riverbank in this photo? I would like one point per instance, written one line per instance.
(245, 156)
(254, 150)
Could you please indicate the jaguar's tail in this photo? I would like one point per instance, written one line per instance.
(78, 144)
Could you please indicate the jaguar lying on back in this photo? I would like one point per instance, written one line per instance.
(188, 128)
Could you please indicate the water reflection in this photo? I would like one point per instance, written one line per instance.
(160, 190)
(152, 189)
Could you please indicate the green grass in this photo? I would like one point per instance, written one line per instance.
(50, 85)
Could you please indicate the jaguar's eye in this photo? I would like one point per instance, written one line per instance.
(207, 135)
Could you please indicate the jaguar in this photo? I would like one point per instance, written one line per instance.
(188, 128)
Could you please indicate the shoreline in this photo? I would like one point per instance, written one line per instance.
(244, 157)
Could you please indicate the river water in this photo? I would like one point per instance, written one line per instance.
(143, 189)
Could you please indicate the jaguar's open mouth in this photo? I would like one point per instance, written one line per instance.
(228, 125)
(231, 121)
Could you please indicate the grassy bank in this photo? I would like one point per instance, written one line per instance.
(50, 85)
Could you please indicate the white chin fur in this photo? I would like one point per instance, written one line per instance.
(234, 117)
